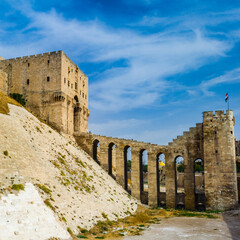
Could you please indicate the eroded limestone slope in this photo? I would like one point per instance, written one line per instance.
(78, 190)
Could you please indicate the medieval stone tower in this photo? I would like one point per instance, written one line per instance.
(54, 87)
(219, 160)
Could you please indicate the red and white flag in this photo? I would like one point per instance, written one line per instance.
(226, 97)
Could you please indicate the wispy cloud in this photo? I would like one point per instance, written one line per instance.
(151, 58)
(232, 76)
(172, 46)
(191, 20)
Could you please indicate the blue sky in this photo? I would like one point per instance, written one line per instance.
(153, 65)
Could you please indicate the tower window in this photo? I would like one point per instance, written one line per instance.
(48, 79)
(28, 81)
(28, 64)
(69, 83)
(48, 61)
(83, 95)
(75, 85)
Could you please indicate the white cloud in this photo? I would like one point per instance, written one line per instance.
(232, 76)
(151, 58)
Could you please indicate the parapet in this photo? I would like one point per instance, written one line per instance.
(34, 56)
(219, 114)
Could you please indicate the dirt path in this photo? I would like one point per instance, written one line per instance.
(177, 228)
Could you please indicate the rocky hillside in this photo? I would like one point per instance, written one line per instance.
(70, 183)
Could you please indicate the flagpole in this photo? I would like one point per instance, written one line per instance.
(228, 103)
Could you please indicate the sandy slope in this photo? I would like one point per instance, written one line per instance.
(81, 192)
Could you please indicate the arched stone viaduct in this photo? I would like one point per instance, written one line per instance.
(212, 141)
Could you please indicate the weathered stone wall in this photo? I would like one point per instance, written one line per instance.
(3, 82)
(199, 142)
(54, 87)
(75, 84)
(238, 182)
(219, 160)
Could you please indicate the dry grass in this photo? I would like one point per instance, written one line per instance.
(13, 101)
(135, 224)
(3, 104)
(4, 100)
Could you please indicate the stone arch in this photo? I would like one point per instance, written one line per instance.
(96, 150)
(76, 99)
(112, 160)
(127, 168)
(161, 186)
(76, 115)
(179, 181)
(143, 165)
(199, 185)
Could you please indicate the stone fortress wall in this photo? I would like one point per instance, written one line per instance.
(3, 80)
(212, 141)
(55, 89)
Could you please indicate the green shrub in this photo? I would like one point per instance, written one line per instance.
(6, 153)
(17, 187)
(70, 231)
(198, 168)
(48, 204)
(19, 98)
(44, 188)
(104, 215)
(180, 167)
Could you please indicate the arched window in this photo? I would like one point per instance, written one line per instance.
(143, 161)
(96, 151)
(127, 168)
(112, 160)
(161, 177)
(179, 182)
(199, 184)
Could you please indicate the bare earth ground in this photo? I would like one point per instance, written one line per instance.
(226, 227)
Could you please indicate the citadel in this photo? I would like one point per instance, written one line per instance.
(56, 90)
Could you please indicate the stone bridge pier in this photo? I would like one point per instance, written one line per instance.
(150, 172)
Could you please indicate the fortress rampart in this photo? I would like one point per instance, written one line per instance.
(212, 141)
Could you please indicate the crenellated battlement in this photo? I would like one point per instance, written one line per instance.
(217, 114)
(33, 57)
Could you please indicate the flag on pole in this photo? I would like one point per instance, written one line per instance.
(226, 97)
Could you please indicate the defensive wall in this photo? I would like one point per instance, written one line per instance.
(3, 82)
(212, 141)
